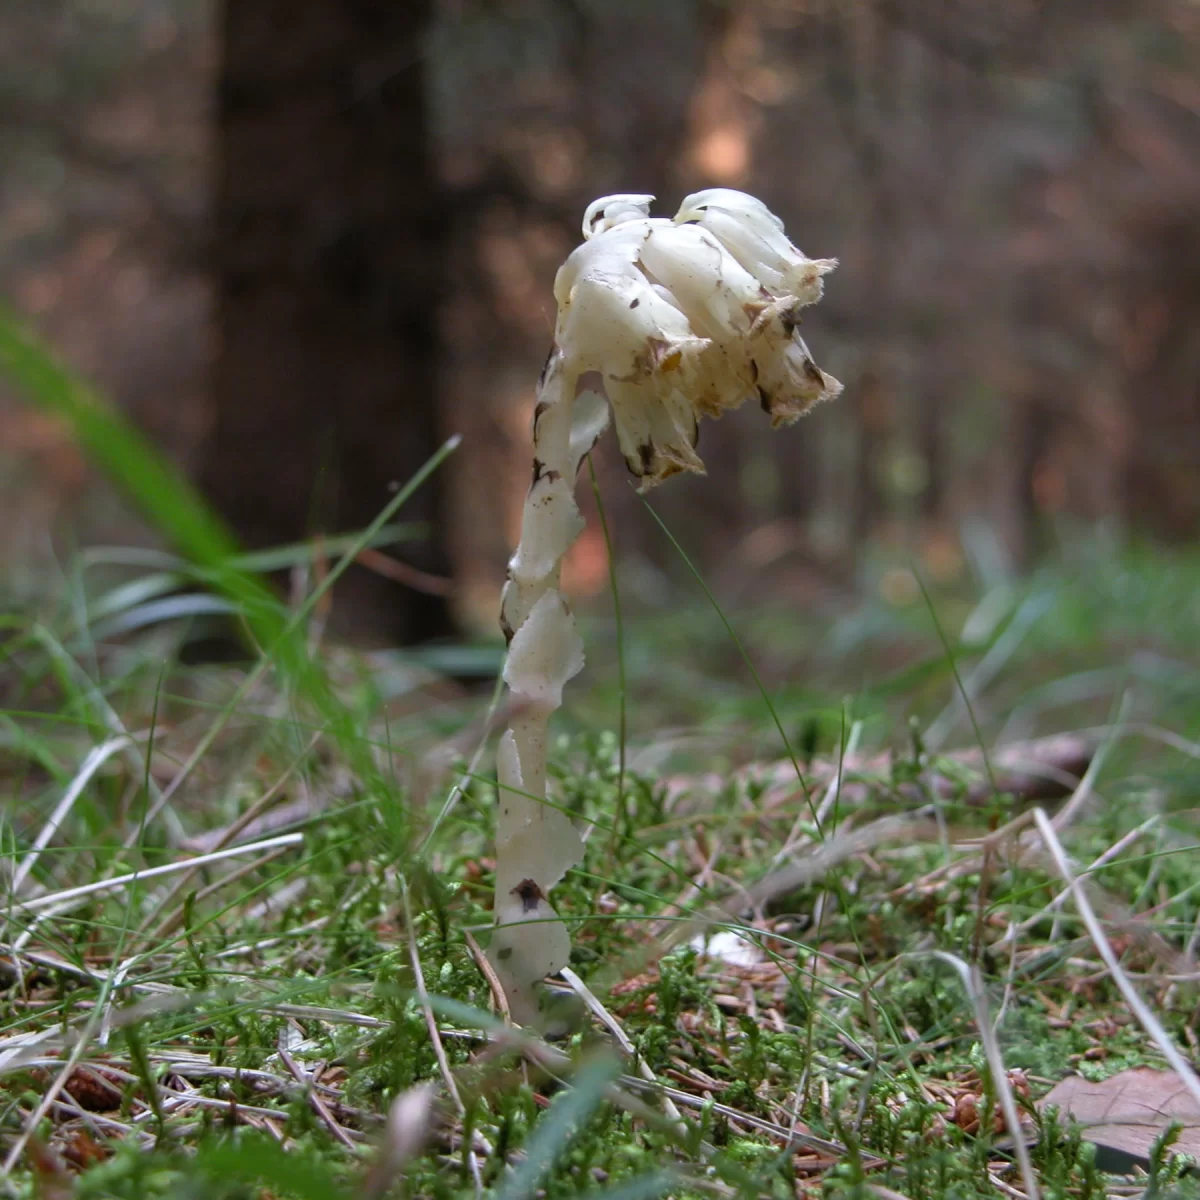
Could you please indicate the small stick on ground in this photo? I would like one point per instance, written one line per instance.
(1149, 1022)
(973, 983)
(610, 1023)
(493, 980)
(402, 573)
(119, 881)
(95, 759)
(305, 1080)
(435, 1037)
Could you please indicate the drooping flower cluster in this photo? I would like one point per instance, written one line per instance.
(663, 322)
(689, 318)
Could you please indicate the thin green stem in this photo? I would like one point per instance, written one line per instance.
(741, 649)
(987, 761)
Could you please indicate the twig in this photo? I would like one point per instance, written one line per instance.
(173, 1101)
(96, 758)
(973, 982)
(103, 885)
(1013, 932)
(787, 1137)
(613, 1026)
(435, 1037)
(306, 1082)
(970, 864)
(401, 572)
(489, 973)
(1150, 1023)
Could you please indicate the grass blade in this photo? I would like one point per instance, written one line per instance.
(741, 649)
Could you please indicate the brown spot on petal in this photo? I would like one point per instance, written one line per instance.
(541, 472)
(530, 895)
(646, 454)
(635, 302)
(814, 372)
(764, 398)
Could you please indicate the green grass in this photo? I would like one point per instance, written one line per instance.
(244, 1027)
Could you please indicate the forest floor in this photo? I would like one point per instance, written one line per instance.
(830, 934)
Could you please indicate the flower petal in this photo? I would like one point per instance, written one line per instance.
(754, 236)
(601, 215)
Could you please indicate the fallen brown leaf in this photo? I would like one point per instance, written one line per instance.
(1125, 1113)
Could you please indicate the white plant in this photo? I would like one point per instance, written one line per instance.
(662, 322)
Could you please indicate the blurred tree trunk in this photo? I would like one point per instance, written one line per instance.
(1035, 432)
(330, 240)
(1162, 359)
(873, 421)
(933, 404)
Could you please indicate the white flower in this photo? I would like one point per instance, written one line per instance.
(688, 318)
(661, 322)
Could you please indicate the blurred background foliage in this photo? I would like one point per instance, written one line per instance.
(300, 242)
